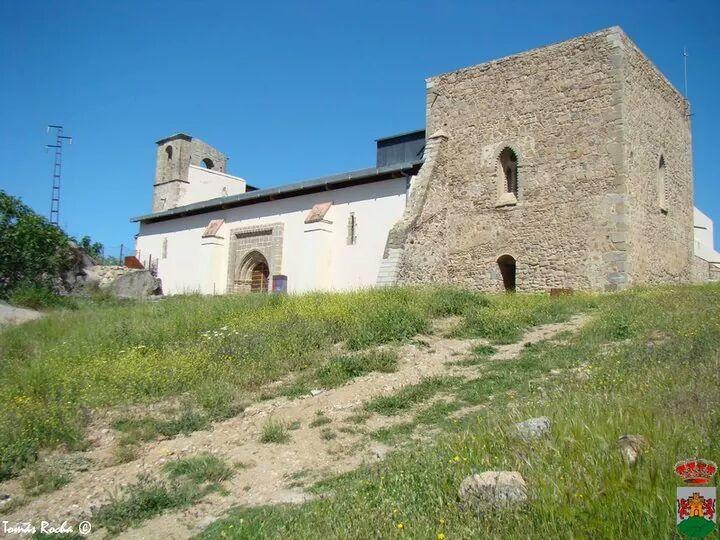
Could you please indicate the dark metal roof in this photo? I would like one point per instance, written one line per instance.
(403, 134)
(325, 183)
(183, 136)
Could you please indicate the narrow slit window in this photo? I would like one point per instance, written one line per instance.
(661, 187)
(508, 162)
(351, 229)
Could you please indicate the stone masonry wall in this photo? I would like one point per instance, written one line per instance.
(559, 109)
(657, 124)
(171, 174)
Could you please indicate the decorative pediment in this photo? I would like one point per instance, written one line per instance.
(317, 212)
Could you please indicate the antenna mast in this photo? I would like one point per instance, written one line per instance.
(57, 167)
(685, 57)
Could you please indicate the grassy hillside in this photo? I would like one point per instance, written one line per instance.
(650, 365)
(645, 362)
(215, 353)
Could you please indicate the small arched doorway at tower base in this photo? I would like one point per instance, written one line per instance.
(506, 264)
(252, 274)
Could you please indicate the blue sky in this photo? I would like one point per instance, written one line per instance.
(288, 90)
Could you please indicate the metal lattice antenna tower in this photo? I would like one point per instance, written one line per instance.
(57, 168)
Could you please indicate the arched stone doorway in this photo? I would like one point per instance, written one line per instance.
(506, 263)
(253, 274)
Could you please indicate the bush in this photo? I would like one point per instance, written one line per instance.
(32, 250)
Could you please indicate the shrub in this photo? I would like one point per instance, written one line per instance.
(32, 250)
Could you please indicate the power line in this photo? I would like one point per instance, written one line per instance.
(57, 169)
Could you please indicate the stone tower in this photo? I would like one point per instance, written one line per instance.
(567, 166)
(175, 154)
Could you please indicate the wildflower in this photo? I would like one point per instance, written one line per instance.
(399, 526)
(440, 536)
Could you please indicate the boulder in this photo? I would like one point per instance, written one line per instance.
(119, 281)
(631, 446)
(491, 490)
(133, 284)
(534, 428)
(10, 315)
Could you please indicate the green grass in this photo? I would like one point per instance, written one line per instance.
(185, 482)
(146, 429)
(218, 351)
(578, 484)
(200, 469)
(409, 396)
(275, 431)
(147, 498)
(339, 370)
(43, 478)
(342, 369)
(320, 419)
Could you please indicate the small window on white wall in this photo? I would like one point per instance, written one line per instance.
(661, 187)
(164, 248)
(351, 229)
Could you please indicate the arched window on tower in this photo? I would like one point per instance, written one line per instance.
(207, 163)
(661, 188)
(508, 163)
(169, 151)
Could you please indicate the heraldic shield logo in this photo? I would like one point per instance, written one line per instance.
(696, 502)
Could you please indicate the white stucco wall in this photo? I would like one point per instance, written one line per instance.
(204, 184)
(704, 243)
(314, 256)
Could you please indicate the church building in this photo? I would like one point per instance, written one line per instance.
(567, 166)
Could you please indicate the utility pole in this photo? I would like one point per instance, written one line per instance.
(58, 146)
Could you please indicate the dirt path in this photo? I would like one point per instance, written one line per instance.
(271, 468)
